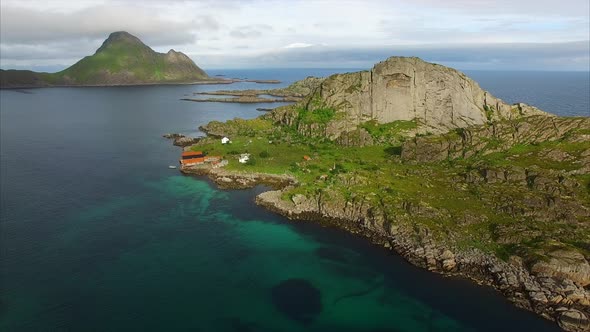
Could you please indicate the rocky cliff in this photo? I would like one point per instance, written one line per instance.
(437, 98)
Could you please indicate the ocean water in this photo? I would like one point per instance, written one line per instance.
(97, 234)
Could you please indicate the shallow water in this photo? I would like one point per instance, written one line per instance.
(97, 233)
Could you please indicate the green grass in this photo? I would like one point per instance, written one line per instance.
(526, 155)
(392, 132)
(320, 116)
(135, 59)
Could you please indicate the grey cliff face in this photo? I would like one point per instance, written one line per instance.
(437, 97)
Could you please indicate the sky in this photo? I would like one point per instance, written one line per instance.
(51, 35)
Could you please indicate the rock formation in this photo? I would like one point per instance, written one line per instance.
(438, 98)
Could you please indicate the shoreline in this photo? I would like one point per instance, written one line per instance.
(544, 296)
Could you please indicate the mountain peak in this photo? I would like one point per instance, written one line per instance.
(120, 38)
(122, 35)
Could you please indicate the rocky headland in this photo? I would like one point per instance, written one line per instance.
(419, 159)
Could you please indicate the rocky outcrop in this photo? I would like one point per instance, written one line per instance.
(437, 97)
(573, 320)
(499, 136)
(182, 140)
(234, 180)
(565, 264)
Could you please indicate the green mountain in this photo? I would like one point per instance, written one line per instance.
(122, 59)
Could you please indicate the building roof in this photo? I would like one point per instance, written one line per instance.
(192, 153)
(199, 160)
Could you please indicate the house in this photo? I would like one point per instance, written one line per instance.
(192, 158)
(244, 157)
(225, 140)
(306, 158)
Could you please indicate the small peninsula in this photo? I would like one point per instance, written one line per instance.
(419, 159)
(122, 59)
(293, 93)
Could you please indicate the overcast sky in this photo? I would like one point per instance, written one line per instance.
(466, 34)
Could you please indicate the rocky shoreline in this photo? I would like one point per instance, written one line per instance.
(557, 299)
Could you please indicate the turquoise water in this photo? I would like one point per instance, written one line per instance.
(97, 234)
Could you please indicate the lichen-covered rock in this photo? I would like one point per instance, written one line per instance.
(573, 320)
(565, 264)
(499, 136)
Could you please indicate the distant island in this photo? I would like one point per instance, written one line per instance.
(418, 158)
(122, 59)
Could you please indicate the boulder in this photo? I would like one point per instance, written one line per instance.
(573, 320)
(568, 264)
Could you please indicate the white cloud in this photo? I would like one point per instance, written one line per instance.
(298, 45)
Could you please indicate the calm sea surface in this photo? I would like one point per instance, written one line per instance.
(97, 234)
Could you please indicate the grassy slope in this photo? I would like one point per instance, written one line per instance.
(137, 59)
(132, 58)
(379, 176)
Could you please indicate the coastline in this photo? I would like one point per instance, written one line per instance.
(564, 303)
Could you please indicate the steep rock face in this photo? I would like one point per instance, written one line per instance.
(437, 97)
(399, 88)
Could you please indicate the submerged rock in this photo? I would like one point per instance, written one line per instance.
(298, 299)
(332, 254)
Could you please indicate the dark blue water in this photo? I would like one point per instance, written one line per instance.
(97, 234)
(561, 93)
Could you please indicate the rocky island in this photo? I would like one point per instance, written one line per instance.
(122, 59)
(419, 159)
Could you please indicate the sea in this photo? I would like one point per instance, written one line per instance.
(97, 233)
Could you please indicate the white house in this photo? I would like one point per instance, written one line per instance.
(225, 140)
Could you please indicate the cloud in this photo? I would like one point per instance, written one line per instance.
(492, 7)
(508, 56)
(30, 26)
(250, 31)
(298, 45)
